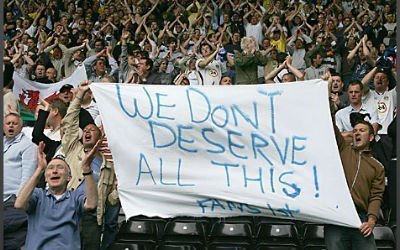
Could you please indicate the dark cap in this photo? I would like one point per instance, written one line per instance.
(66, 88)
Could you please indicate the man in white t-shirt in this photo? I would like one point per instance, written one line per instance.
(209, 70)
(255, 27)
(342, 116)
(383, 100)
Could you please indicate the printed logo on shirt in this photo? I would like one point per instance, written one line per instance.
(213, 72)
(382, 107)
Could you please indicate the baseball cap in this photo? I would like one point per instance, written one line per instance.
(65, 88)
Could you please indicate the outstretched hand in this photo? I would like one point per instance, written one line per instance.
(41, 156)
(89, 157)
(84, 86)
(45, 104)
(11, 109)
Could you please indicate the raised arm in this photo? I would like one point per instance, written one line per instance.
(347, 30)
(111, 60)
(367, 78)
(151, 10)
(353, 52)
(203, 63)
(162, 32)
(72, 49)
(90, 184)
(255, 9)
(48, 47)
(270, 77)
(70, 123)
(366, 51)
(245, 21)
(24, 195)
(299, 74)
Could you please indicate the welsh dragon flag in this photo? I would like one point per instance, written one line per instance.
(28, 91)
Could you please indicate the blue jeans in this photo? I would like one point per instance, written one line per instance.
(110, 225)
(345, 238)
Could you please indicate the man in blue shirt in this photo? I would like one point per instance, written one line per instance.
(19, 159)
(53, 214)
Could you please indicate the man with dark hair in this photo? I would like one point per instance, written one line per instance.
(172, 55)
(127, 61)
(73, 57)
(360, 59)
(343, 116)
(340, 97)
(40, 74)
(143, 75)
(65, 93)
(384, 100)
(316, 70)
(365, 177)
(286, 72)
(162, 77)
(99, 45)
(97, 65)
(234, 43)
(53, 214)
(52, 116)
(209, 70)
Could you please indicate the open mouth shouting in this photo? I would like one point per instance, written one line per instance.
(87, 137)
(11, 131)
(90, 134)
(55, 178)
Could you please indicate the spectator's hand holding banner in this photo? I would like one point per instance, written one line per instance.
(217, 151)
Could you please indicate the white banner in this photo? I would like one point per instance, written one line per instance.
(219, 151)
(28, 91)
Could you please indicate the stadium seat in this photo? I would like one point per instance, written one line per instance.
(231, 236)
(394, 230)
(138, 231)
(132, 246)
(314, 236)
(158, 221)
(184, 235)
(277, 236)
(384, 237)
(207, 222)
(180, 246)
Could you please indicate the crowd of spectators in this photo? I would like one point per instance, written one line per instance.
(182, 42)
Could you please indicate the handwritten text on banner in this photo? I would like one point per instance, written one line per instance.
(262, 150)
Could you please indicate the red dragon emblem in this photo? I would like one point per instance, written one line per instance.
(29, 99)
